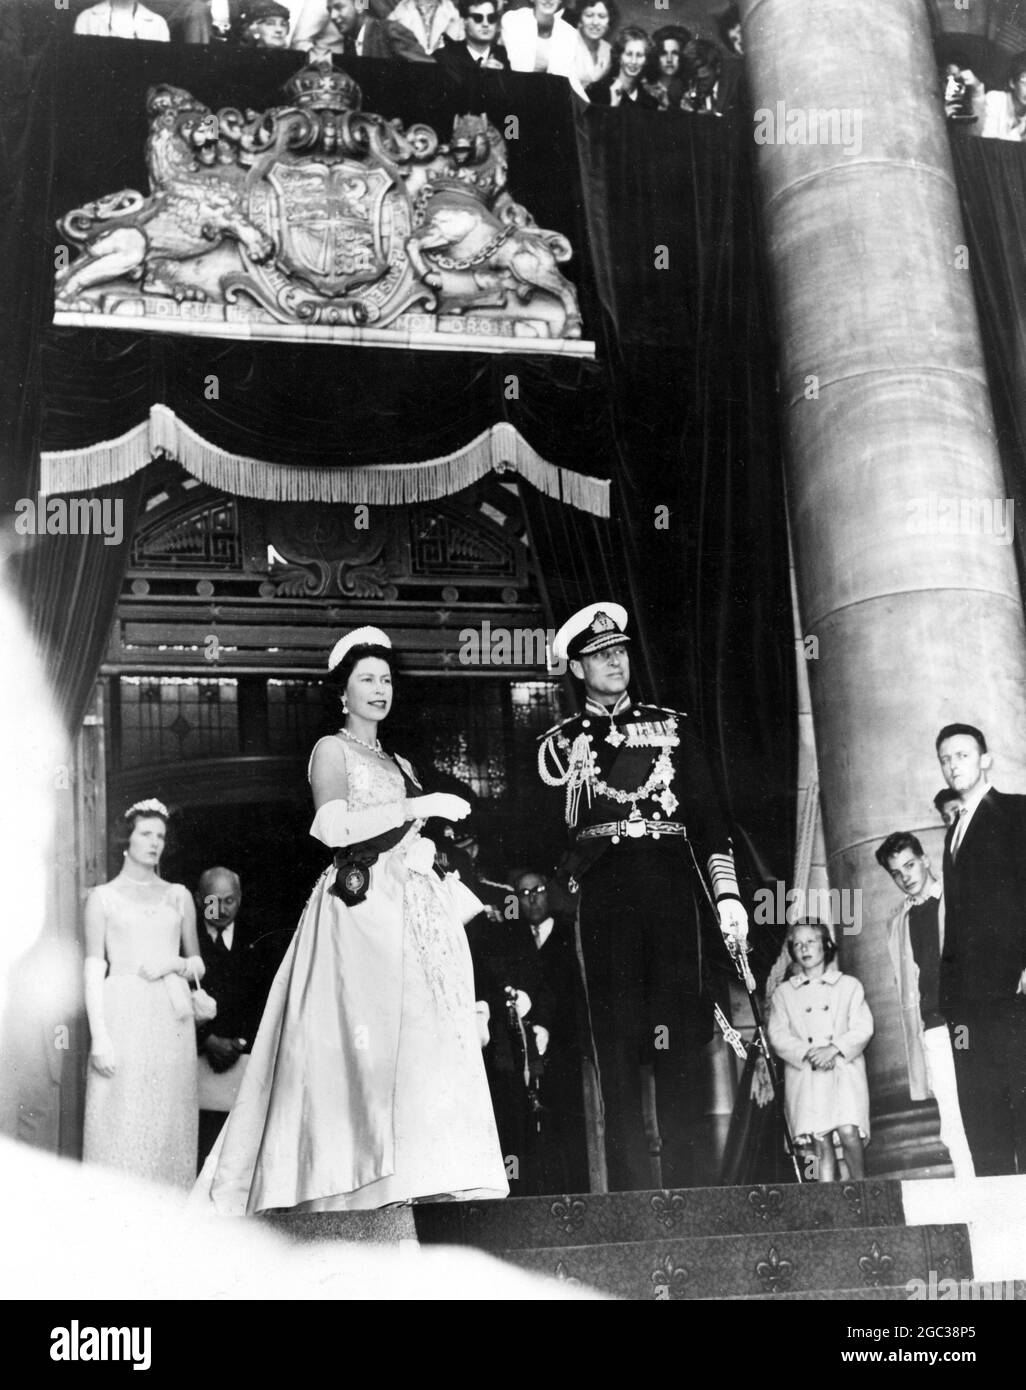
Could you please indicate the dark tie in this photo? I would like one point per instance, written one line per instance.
(348, 46)
(221, 946)
(958, 835)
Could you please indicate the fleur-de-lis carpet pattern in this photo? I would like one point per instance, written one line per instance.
(762, 1242)
(767, 1242)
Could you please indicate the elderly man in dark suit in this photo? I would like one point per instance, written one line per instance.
(983, 965)
(238, 975)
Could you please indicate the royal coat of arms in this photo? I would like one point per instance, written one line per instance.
(316, 220)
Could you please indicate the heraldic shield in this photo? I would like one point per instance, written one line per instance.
(317, 221)
(326, 221)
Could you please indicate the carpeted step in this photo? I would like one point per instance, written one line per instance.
(1012, 1290)
(771, 1263)
(616, 1217)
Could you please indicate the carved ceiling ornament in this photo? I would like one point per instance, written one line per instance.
(317, 221)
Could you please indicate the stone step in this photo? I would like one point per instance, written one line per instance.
(708, 1267)
(616, 1217)
(384, 1226)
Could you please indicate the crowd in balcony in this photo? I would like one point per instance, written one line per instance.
(607, 63)
(997, 113)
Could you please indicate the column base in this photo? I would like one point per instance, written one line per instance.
(906, 1144)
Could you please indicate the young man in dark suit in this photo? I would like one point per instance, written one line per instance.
(480, 47)
(983, 965)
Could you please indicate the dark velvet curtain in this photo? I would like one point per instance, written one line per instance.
(687, 341)
(68, 584)
(991, 177)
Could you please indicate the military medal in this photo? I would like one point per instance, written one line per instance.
(615, 737)
(653, 733)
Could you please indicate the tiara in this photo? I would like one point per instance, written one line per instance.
(152, 804)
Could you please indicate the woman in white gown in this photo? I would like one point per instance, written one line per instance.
(366, 1085)
(141, 1110)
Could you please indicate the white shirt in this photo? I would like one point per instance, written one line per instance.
(445, 23)
(520, 35)
(310, 22)
(542, 932)
(227, 936)
(104, 22)
(999, 119)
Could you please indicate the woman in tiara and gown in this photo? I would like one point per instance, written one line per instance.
(141, 1111)
(366, 1085)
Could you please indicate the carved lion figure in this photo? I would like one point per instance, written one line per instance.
(194, 204)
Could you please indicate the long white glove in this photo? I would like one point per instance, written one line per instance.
(733, 919)
(336, 825)
(101, 1048)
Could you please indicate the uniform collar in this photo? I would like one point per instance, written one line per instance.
(830, 976)
(604, 711)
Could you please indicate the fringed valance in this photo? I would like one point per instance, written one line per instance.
(501, 448)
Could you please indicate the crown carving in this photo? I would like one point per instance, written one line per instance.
(464, 184)
(323, 87)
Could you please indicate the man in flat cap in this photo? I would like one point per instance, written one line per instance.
(652, 856)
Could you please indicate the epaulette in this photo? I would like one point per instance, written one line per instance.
(556, 727)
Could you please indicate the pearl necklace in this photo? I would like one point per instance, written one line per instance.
(142, 883)
(374, 747)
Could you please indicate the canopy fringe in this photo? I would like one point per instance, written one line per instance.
(500, 448)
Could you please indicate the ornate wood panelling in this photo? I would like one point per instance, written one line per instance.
(224, 585)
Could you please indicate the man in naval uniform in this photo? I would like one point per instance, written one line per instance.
(651, 854)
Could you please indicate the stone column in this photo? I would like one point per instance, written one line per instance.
(888, 434)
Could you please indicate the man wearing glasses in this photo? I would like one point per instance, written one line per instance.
(480, 46)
